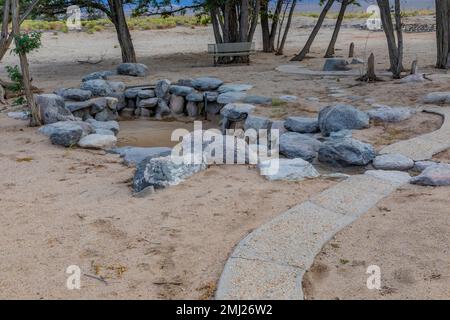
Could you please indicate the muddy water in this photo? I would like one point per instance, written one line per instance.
(149, 133)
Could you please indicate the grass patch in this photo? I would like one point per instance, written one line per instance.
(25, 159)
(364, 15)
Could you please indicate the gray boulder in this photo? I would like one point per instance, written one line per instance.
(19, 115)
(180, 90)
(106, 115)
(62, 126)
(346, 152)
(297, 145)
(148, 103)
(257, 100)
(117, 86)
(97, 75)
(146, 94)
(288, 169)
(302, 125)
(230, 97)
(162, 109)
(176, 104)
(132, 69)
(420, 166)
(76, 94)
(194, 97)
(164, 172)
(236, 87)
(213, 108)
(192, 109)
(106, 125)
(97, 141)
(335, 64)
(206, 83)
(396, 162)
(52, 108)
(437, 98)
(278, 125)
(162, 89)
(288, 98)
(134, 155)
(390, 114)
(132, 93)
(437, 175)
(185, 83)
(211, 96)
(236, 111)
(99, 87)
(257, 123)
(339, 117)
(104, 132)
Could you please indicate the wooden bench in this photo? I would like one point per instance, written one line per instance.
(236, 49)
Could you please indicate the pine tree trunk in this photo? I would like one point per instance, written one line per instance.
(312, 36)
(26, 82)
(331, 48)
(123, 33)
(443, 33)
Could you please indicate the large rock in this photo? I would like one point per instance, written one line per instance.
(132, 69)
(132, 93)
(165, 171)
(146, 94)
(192, 109)
(237, 87)
(335, 64)
(230, 97)
(390, 114)
(106, 125)
(76, 94)
(236, 111)
(106, 115)
(297, 145)
(339, 117)
(396, 162)
(437, 175)
(176, 104)
(194, 97)
(257, 123)
(206, 83)
(97, 141)
(420, 166)
(437, 98)
(134, 155)
(288, 169)
(162, 109)
(98, 87)
(61, 126)
(302, 125)
(52, 108)
(148, 103)
(162, 89)
(97, 75)
(180, 90)
(346, 152)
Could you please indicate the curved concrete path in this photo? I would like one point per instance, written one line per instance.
(271, 261)
(425, 146)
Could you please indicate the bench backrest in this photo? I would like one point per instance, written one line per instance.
(231, 47)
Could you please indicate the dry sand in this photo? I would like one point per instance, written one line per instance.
(67, 206)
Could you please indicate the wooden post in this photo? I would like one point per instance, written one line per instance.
(414, 67)
(351, 50)
(370, 76)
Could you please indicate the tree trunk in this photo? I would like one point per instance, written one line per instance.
(286, 29)
(370, 75)
(123, 33)
(26, 82)
(254, 24)
(265, 26)
(443, 33)
(331, 48)
(351, 50)
(312, 36)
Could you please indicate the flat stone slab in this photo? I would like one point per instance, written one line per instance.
(270, 262)
(426, 146)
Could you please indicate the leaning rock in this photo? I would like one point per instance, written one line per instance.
(181, 90)
(162, 89)
(389, 114)
(257, 123)
(206, 83)
(236, 111)
(76, 94)
(397, 162)
(437, 175)
(98, 87)
(235, 87)
(176, 104)
(166, 171)
(302, 125)
(288, 169)
(346, 152)
(336, 64)
(134, 155)
(230, 97)
(437, 98)
(338, 117)
(257, 100)
(98, 141)
(132, 69)
(107, 125)
(296, 145)
(52, 108)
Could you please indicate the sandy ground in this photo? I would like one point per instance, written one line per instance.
(60, 207)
